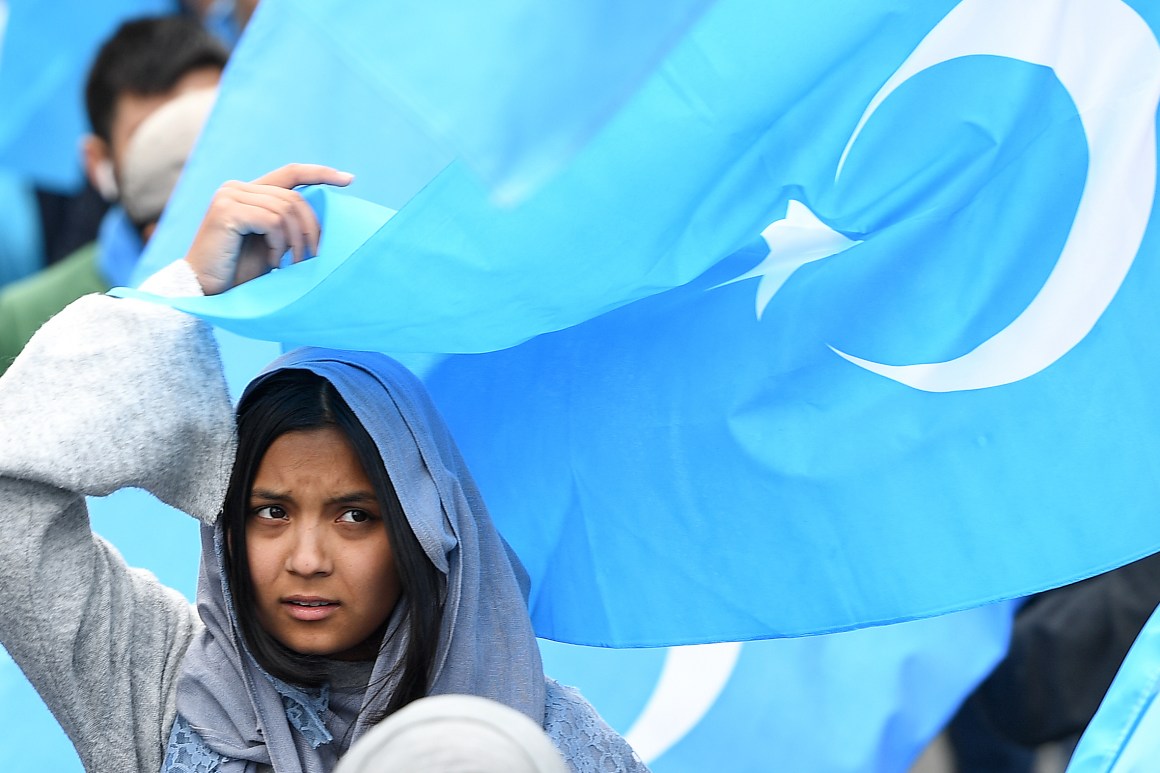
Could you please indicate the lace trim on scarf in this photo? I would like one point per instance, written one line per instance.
(305, 710)
(585, 740)
(187, 752)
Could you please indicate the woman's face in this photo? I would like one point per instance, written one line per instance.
(320, 560)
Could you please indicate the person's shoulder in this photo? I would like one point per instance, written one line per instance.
(54, 287)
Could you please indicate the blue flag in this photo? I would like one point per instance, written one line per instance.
(515, 87)
(396, 91)
(838, 321)
(45, 54)
(20, 239)
(1124, 735)
(865, 701)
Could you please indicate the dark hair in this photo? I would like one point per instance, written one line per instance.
(146, 57)
(295, 400)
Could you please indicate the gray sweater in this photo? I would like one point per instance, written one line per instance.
(110, 393)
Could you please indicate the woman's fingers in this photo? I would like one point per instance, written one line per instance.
(307, 234)
(282, 216)
(293, 175)
(250, 226)
(301, 227)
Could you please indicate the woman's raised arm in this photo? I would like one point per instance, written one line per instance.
(113, 393)
(109, 393)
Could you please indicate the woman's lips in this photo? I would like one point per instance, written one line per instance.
(309, 609)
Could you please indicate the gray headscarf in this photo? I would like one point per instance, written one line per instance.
(233, 709)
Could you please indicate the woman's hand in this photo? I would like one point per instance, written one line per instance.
(250, 226)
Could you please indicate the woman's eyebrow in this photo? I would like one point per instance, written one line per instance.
(354, 498)
(270, 494)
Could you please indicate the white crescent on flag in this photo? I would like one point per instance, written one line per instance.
(1108, 59)
(690, 683)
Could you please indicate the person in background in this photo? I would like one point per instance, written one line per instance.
(147, 64)
(69, 219)
(1066, 646)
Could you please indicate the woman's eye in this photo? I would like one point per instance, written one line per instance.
(269, 512)
(355, 516)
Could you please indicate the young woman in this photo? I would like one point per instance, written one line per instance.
(349, 566)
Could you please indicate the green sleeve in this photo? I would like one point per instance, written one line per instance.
(29, 303)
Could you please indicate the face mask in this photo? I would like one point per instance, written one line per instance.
(105, 181)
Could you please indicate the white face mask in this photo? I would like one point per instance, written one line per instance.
(105, 181)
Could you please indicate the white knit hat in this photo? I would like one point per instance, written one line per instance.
(454, 734)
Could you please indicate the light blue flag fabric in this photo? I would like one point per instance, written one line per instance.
(34, 739)
(395, 90)
(865, 701)
(44, 59)
(514, 87)
(838, 322)
(1124, 735)
(21, 251)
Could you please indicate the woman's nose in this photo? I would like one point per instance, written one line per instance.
(309, 555)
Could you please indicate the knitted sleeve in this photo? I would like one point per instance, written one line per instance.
(109, 393)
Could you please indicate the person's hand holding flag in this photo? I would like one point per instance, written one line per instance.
(250, 226)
